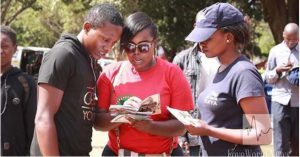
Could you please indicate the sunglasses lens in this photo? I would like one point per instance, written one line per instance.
(143, 48)
(130, 48)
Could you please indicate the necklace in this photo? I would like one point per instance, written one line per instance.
(95, 79)
(5, 92)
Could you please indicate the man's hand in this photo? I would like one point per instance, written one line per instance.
(283, 68)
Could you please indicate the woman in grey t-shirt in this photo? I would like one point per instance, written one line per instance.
(234, 116)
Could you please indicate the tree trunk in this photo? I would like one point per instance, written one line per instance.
(293, 11)
(278, 13)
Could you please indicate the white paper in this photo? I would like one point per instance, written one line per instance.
(184, 117)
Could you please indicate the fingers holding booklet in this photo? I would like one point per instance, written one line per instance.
(184, 117)
(123, 118)
(136, 108)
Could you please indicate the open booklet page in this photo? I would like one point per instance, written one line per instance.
(184, 117)
(136, 108)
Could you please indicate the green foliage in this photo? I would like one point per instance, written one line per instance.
(44, 27)
(251, 8)
(43, 23)
(31, 32)
(174, 18)
(266, 41)
(11, 9)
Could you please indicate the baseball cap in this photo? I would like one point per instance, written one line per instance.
(211, 18)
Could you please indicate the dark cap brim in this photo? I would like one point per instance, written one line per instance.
(200, 34)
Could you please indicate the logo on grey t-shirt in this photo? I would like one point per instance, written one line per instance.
(211, 99)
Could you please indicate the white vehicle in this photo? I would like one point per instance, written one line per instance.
(29, 59)
(104, 62)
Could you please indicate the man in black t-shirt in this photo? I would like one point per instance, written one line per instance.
(67, 95)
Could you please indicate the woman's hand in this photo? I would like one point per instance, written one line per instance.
(141, 125)
(201, 130)
(167, 128)
(133, 102)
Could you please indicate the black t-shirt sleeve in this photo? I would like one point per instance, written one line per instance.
(248, 84)
(57, 68)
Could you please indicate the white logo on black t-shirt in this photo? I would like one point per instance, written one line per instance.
(90, 103)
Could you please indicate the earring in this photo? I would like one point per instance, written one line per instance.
(227, 41)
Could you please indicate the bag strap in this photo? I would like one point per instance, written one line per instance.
(25, 86)
(117, 132)
(171, 147)
(116, 81)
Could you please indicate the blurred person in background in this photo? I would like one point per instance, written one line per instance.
(18, 100)
(161, 53)
(283, 62)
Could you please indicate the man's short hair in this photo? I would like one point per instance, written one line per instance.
(99, 14)
(10, 33)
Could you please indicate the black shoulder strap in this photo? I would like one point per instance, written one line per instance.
(25, 85)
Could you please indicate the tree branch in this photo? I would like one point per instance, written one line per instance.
(18, 12)
(5, 7)
(293, 11)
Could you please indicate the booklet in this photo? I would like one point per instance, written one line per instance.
(184, 117)
(136, 108)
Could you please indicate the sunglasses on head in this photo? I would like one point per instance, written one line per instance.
(142, 47)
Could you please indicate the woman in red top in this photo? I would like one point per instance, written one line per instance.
(141, 76)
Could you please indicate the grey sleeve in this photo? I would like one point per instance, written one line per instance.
(271, 74)
(57, 68)
(178, 60)
(29, 113)
(248, 84)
